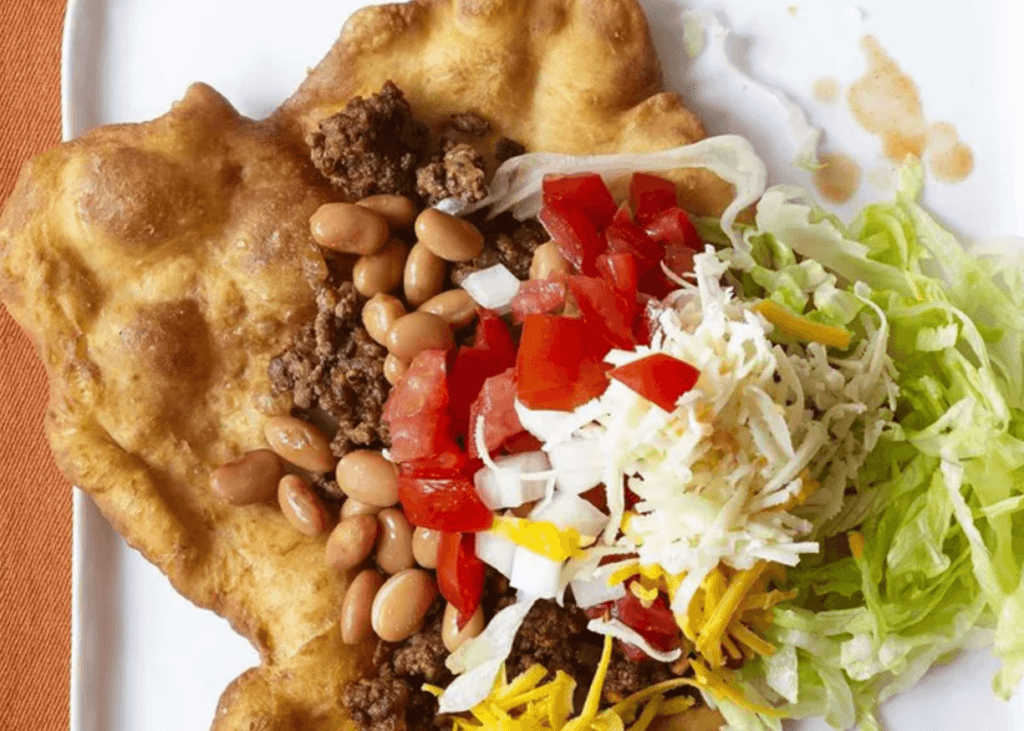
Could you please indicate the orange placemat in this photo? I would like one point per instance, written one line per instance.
(35, 518)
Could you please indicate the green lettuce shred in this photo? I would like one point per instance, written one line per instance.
(939, 500)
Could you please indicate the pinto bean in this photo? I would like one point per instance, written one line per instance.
(357, 605)
(252, 478)
(369, 477)
(349, 228)
(401, 605)
(300, 443)
(449, 237)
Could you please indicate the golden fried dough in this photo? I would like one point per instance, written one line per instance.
(159, 267)
(573, 76)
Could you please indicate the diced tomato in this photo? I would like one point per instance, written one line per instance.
(586, 192)
(659, 378)
(460, 573)
(620, 271)
(451, 463)
(679, 259)
(558, 366)
(492, 353)
(656, 623)
(606, 311)
(522, 442)
(574, 233)
(417, 410)
(626, 237)
(674, 227)
(538, 297)
(656, 283)
(633, 653)
(496, 406)
(649, 195)
(646, 320)
(598, 610)
(447, 503)
(493, 336)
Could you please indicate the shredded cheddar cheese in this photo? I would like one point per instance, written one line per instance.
(802, 328)
(543, 538)
(525, 704)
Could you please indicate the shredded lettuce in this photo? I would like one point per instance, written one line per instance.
(939, 498)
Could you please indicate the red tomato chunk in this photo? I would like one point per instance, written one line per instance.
(674, 227)
(493, 352)
(585, 192)
(448, 503)
(538, 297)
(649, 195)
(460, 574)
(496, 406)
(626, 237)
(576, 236)
(558, 366)
(417, 410)
(606, 311)
(659, 378)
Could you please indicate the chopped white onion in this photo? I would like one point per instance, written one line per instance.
(540, 422)
(618, 630)
(578, 464)
(478, 661)
(492, 288)
(570, 511)
(535, 575)
(514, 482)
(452, 206)
(496, 551)
(590, 592)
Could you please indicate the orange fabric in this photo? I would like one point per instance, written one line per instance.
(35, 516)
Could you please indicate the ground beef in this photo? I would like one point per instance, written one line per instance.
(371, 146)
(514, 250)
(505, 149)
(469, 123)
(553, 636)
(392, 700)
(459, 174)
(557, 638)
(335, 366)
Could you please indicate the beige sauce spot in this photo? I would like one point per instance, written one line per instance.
(950, 159)
(838, 177)
(793, 9)
(885, 102)
(826, 90)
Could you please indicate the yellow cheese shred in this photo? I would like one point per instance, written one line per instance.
(526, 704)
(803, 328)
(543, 538)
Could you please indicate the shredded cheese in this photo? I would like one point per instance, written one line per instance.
(802, 328)
(526, 704)
(543, 538)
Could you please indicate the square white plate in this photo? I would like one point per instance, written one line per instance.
(143, 657)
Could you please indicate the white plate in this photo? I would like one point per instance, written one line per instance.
(143, 657)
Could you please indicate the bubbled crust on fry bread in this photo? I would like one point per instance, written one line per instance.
(573, 76)
(159, 267)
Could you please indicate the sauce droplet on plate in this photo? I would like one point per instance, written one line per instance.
(886, 102)
(826, 90)
(838, 177)
(950, 159)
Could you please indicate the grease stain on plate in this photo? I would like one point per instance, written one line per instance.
(838, 178)
(950, 159)
(885, 101)
(826, 89)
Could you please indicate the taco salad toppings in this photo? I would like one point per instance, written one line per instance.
(767, 463)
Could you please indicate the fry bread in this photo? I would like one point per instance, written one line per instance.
(158, 268)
